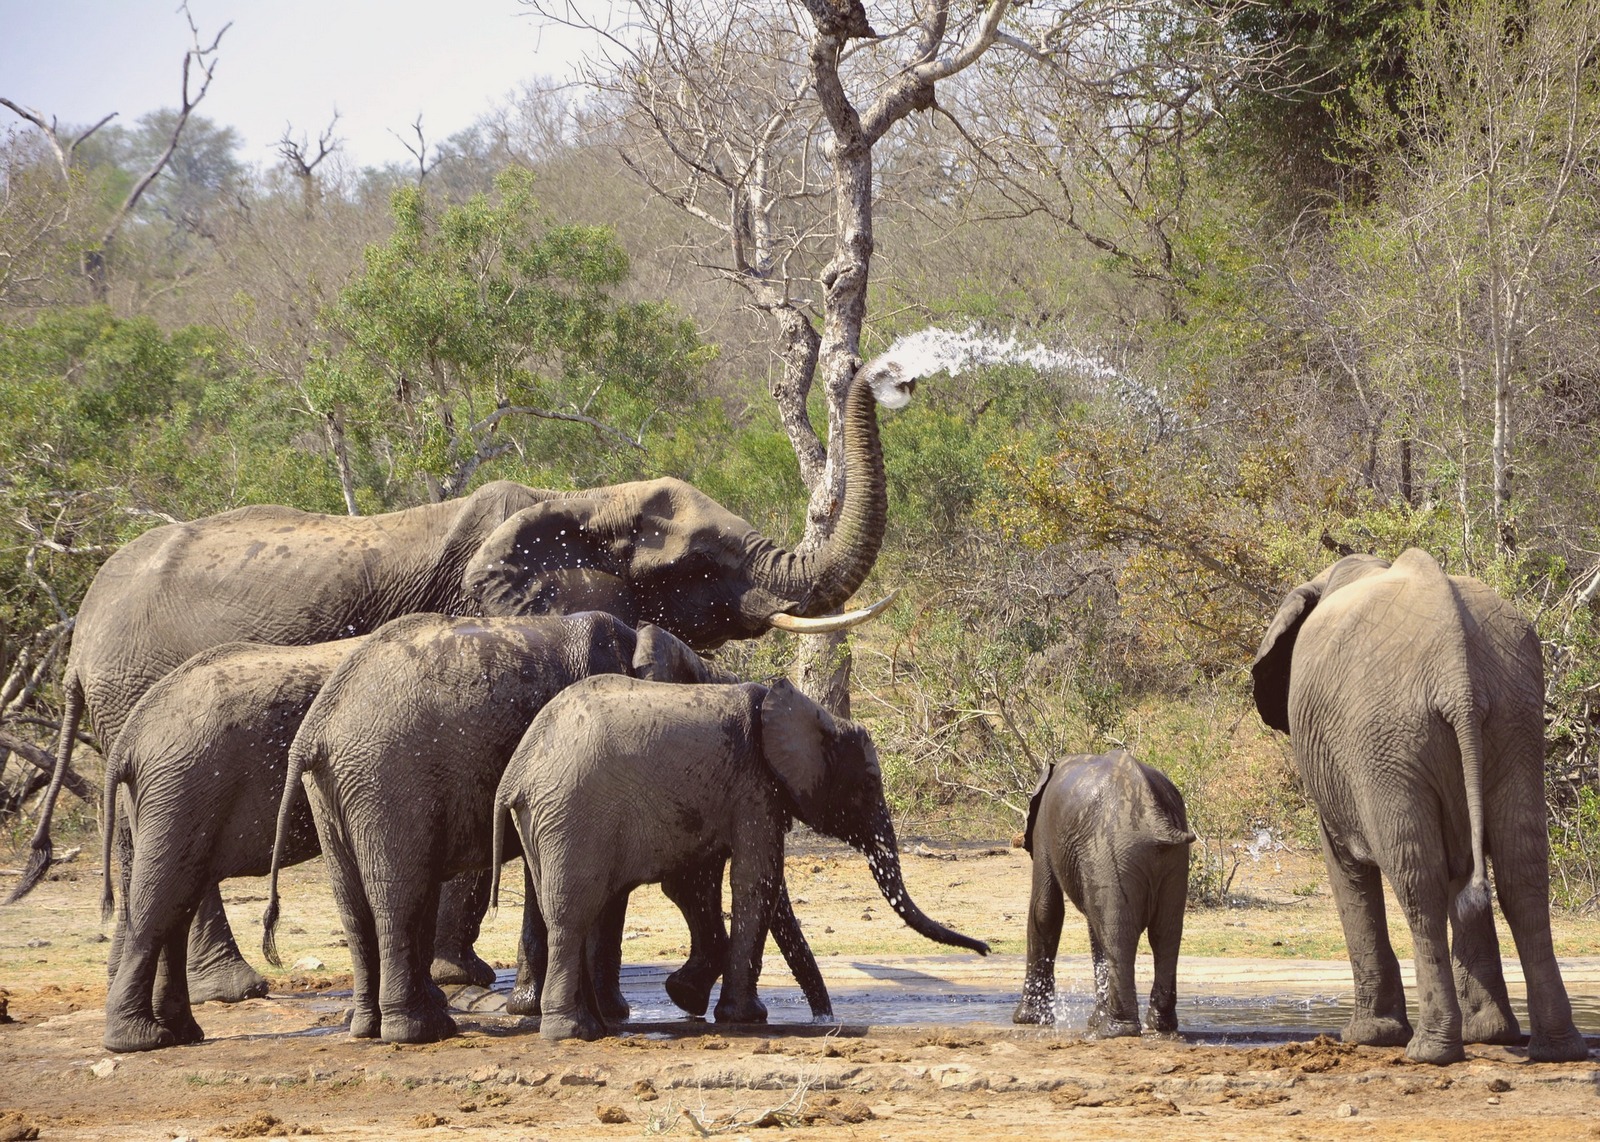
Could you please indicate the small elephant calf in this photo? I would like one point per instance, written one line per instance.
(621, 782)
(1111, 832)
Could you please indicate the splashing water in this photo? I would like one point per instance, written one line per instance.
(936, 350)
(894, 373)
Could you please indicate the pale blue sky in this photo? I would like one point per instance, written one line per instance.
(283, 61)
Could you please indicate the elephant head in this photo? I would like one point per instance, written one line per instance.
(1270, 670)
(829, 769)
(663, 552)
(660, 656)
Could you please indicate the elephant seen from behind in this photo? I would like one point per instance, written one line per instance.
(620, 782)
(200, 764)
(1414, 703)
(1111, 834)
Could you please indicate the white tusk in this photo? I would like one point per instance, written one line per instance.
(827, 623)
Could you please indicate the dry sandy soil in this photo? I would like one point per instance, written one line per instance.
(283, 1065)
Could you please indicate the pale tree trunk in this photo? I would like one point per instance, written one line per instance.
(333, 428)
(734, 109)
(1464, 439)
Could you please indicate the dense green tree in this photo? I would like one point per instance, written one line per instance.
(472, 321)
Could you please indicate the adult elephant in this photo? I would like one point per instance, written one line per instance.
(657, 551)
(1415, 704)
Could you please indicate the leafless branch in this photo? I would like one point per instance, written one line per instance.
(418, 152)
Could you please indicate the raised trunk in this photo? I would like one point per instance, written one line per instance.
(820, 581)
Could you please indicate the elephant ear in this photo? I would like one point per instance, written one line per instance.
(795, 737)
(1033, 805)
(557, 557)
(661, 656)
(1270, 670)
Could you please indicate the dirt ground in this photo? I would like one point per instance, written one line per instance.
(283, 1066)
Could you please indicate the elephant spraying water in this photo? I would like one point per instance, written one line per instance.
(657, 551)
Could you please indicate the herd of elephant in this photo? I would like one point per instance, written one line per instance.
(394, 691)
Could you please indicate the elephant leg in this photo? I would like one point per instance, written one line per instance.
(571, 903)
(463, 903)
(797, 954)
(123, 843)
(1114, 942)
(1166, 935)
(360, 931)
(1523, 886)
(217, 969)
(605, 961)
(1486, 1015)
(757, 870)
(176, 1009)
(1421, 883)
(1380, 1000)
(131, 1023)
(411, 1008)
(697, 892)
(1046, 913)
(533, 953)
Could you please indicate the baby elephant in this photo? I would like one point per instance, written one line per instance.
(1111, 832)
(620, 782)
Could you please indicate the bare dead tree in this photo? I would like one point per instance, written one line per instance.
(764, 121)
(65, 148)
(199, 66)
(302, 165)
(419, 152)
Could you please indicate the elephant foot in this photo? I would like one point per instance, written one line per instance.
(364, 1024)
(1035, 1009)
(1377, 1031)
(183, 1026)
(229, 980)
(1439, 1050)
(613, 1007)
(523, 1000)
(136, 1033)
(730, 1010)
(428, 1026)
(1105, 1027)
(461, 967)
(580, 1025)
(1491, 1024)
(1162, 1022)
(690, 991)
(1568, 1047)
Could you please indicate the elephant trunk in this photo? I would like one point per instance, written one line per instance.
(883, 857)
(821, 581)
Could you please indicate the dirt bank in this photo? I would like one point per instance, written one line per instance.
(283, 1066)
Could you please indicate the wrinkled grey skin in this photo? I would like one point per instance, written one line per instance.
(657, 551)
(1111, 833)
(1414, 701)
(401, 752)
(725, 769)
(201, 764)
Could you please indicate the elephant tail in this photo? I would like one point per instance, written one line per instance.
(300, 756)
(497, 853)
(43, 848)
(1474, 898)
(116, 774)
